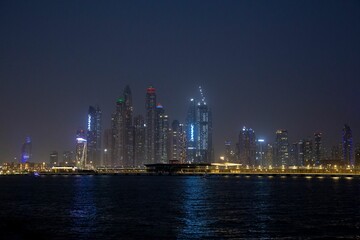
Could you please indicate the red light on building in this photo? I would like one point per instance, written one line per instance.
(151, 90)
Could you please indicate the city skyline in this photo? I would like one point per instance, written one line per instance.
(279, 65)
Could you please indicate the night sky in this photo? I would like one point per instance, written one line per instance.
(264, 64)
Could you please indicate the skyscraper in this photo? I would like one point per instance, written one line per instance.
(161, 134)
(199, 131)
(177, 142)
(247, 147)
(94, 134)
(191, 132)
(260, 152)
(107, 154)
(122, 147)
(228, 157)
(150, 121)
(347, 146)
(139, 135)
(118, 134)
(308, 152)
(26, 150)
(129, 128)
(281, 148)
(294, 155)
(81, 149)
(203, 132)
(317, 148)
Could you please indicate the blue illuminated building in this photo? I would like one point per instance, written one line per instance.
(199, 132)
(26, 150)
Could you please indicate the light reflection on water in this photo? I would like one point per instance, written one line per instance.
(83, 212)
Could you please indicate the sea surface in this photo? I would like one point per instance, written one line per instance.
(179, 207)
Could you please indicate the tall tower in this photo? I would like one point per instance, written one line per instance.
(347, 145)
(191, 132)
(199, 131)
(177, 142)
(260, 152)
(317, 148)
(94, 134)
(139, 135)
(247, 147)
(26, 150)
(129, 128)
(281, 148)
(161, 134)
(107, 148)
(81, 149)
(150, 120)
(118, 134)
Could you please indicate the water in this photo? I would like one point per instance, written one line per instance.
(178, 207)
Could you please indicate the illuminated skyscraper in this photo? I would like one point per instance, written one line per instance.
(260, 152)
(247, 147)
(150, 121)
(281, 148)
(94, 133)
(294, 155)
(199, 131)
(177, 142)
(203, 132)
(26, 150)
(161, 134)
(107, 153)
(122, 147)
(139, 134)
(81, 149)
(317, 148)
(118, 134)
(347, 146)
(269, 155)
(308, 153)
(129, 128)
(191, 132)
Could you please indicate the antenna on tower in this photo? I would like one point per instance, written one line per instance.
(202, 95)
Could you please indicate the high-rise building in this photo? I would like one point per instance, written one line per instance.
(281, 148)
(118, 134)
(129, 128)
(199, 131)
(301, 153)
(81, 149)
(122, 147)
(294, 155)
(150, 121)
(54, 159)
(269, 155)
(26, 150)
(139, 136)
(191, 132)
(107, 139)
(177, 143)
(308, 153)
(260, 152)
(317, 148)
(247, 147)
(94, 134)
(161, 134)
(203, 131)
(348, 158)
